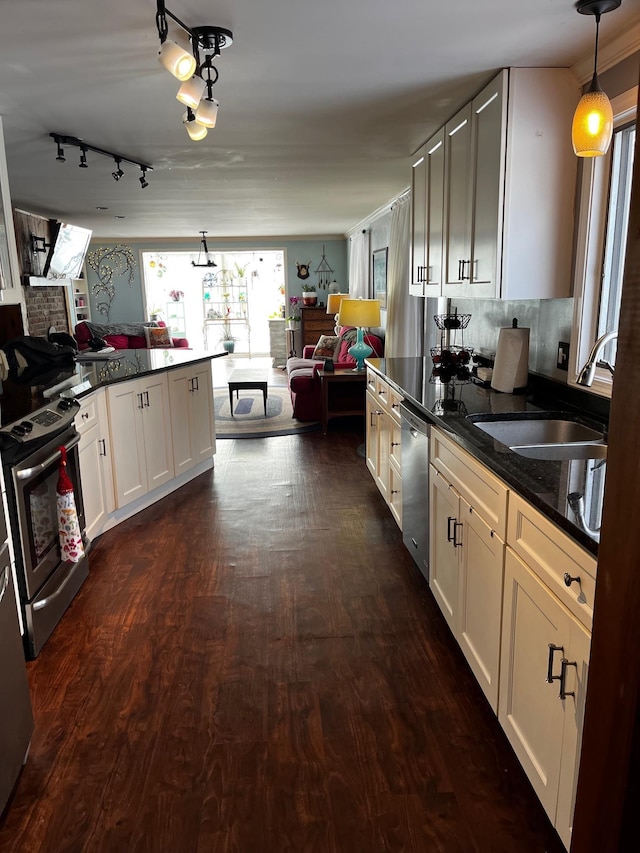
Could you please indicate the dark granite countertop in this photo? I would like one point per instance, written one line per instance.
(544, 483)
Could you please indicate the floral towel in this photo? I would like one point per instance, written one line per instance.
(71, 547)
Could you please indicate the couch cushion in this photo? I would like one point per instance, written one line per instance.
(158, 337)
(117, 341)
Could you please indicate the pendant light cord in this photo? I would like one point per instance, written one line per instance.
(595, 60)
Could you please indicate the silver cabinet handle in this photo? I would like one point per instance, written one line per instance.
(103, 447)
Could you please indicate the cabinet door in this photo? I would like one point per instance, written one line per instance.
(156, 419)
(125, 402)
(180, 403)
(576, 682)
(95, 467)
(457, 198)
(202, 415)
(435, 213)
(480, 600)
(418, 222)
(488, 149)
(384, 448)
(530, 710)
(443, 554)
(373, 416)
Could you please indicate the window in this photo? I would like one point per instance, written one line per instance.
(602, 239)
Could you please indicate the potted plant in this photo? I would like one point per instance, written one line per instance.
(293, 320)
(176, 295)
(227, 338)
(309, 295)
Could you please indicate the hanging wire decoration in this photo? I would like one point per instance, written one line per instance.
(324, 272)
(107, 262)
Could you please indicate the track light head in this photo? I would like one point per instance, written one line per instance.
(143, 178)
(60, 157)
(196, 131)
(177, 60)
(83, 159)
(118, 173)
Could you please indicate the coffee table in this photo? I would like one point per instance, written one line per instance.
(248, 379)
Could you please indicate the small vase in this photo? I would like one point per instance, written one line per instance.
(309, 299)
(228, 346)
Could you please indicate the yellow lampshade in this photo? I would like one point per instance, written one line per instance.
(592, 125)
(333, 302)
(364, 313)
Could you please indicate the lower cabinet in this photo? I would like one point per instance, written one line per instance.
(517, 593)
(95, 461)
(192, 416)
(140, 428)
(466, 574)
(383, 439)
(545, 655)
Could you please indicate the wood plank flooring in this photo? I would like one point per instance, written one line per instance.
(255, 665)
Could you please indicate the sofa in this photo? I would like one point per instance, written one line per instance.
(127, 335)
(302, 373)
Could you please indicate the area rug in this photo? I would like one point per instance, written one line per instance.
(249, 420)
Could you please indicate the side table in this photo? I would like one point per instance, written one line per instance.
(343, 394)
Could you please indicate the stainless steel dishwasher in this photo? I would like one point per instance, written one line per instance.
(415, 486)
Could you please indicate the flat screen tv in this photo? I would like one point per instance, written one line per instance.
(67, 252)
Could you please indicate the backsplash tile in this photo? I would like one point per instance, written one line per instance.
(549, 320)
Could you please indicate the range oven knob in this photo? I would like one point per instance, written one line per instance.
(63, 405)
(27, 426)
(18, 430)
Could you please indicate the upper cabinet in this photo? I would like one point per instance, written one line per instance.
(427, 193)
(495, 200)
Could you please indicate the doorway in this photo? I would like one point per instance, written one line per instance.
(231, 301)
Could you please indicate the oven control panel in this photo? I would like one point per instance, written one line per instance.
(43, 422)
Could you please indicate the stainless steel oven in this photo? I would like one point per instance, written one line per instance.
(46, 583)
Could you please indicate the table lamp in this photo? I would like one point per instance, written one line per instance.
(360, 313)
(333, 305)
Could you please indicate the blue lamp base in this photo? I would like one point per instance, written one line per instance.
(360, 351)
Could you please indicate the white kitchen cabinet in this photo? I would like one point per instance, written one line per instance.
(543, 718)
(94, 452)
(509, 187)
(141, 439)
(466, 575)
(383, 441)
(192, 415)
(427, 192)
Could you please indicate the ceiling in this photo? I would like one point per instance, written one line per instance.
(321, 104)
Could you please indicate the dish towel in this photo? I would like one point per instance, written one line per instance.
(71, 547)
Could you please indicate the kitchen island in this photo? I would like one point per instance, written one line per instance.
(147, 427)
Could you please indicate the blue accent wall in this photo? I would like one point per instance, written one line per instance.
(128, 302)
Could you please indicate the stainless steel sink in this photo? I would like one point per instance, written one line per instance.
(547, 437)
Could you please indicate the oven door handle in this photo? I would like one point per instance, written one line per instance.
(27, 473)
(5, 582)
(40, 605)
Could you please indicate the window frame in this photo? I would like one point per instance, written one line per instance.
(590, 245)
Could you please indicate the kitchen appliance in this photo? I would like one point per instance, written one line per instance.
(16, 718)
(415, 486)
(30, 446)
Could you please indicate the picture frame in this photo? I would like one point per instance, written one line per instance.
(379, 276)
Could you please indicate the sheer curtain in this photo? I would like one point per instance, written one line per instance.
(359, 266)
(404, 313)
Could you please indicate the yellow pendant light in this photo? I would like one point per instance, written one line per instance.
(592, 127)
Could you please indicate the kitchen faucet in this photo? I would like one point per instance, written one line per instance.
(585, 376)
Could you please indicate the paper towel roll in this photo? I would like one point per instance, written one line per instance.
(511, 367)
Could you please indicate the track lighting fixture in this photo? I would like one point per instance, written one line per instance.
(60, 139)
(203, 252)
(188, 68)
(196, 131)
(592, 127)
(143, 177)
(118, 173)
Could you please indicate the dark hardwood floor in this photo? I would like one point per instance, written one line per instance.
(254, 664)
